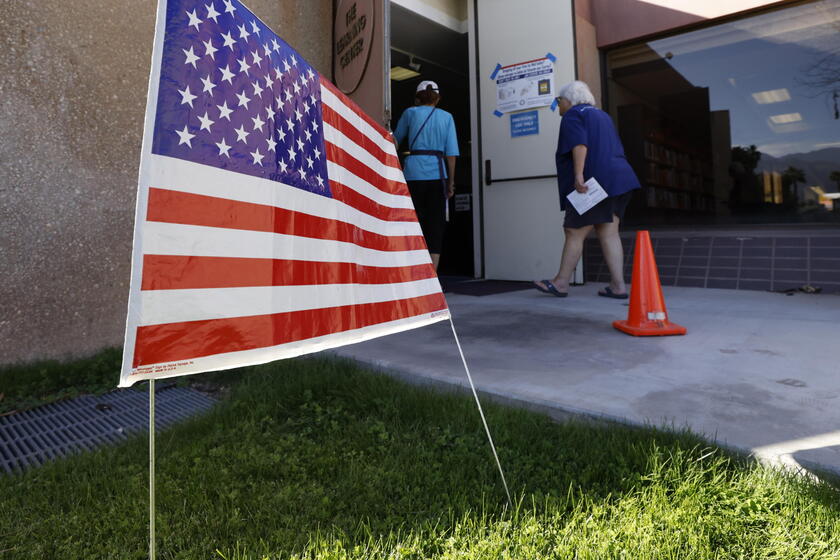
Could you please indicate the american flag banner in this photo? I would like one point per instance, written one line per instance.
(273, 219)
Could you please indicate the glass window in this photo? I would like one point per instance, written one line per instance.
(734, 123)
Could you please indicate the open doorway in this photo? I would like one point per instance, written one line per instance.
(425, 50)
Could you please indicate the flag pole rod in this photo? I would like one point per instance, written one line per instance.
(152, 555)
(481, 413)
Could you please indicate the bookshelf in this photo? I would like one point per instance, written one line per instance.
(669, 147)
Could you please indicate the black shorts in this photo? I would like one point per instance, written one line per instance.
(429, 203)
(601, 213)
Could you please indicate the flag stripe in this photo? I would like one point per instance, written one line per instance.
(401, 199)
(338, 122)
(181, 306)
(337, 138)
(341, 157)
(186, 176)
(160, 238)
(283, 351)
(351, 197)
(171, 272)
(181, 341)
(199, 210)
(331, 96)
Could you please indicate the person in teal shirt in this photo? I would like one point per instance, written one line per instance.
(430, 166)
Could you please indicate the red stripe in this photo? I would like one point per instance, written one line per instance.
(194, 339)
(338, 156)
(356, 136)
(200, 210)
(363, 204)
(171, 272)
(350, 104)
(526, 62)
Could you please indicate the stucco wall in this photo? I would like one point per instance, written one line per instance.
(72, 98)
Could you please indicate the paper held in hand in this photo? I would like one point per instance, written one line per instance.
(584, 201)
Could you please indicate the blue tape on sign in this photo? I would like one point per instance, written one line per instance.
(498, 113)
(551, 57)
(495, 71)
(554, 104)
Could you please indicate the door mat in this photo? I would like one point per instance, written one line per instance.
(480, 288)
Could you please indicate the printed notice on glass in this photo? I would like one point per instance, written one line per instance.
(583, 202)
(524, 85)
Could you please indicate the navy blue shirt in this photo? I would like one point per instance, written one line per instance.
(605, 160)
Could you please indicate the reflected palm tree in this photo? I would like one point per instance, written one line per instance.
(791, 177)
(835, 176)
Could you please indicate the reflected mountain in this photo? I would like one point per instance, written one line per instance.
(817, 167)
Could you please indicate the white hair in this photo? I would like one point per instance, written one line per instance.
(577, 92)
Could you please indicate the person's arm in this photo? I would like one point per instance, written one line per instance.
(451, 151)
(450, 186)
(579, 159)
(401, 130)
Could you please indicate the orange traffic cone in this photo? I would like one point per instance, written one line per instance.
(647, 316)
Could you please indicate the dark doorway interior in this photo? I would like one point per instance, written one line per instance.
(439, 54)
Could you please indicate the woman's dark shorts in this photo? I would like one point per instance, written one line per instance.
(429, 203)
(601, 213)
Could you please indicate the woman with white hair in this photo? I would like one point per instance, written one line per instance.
(589, 146)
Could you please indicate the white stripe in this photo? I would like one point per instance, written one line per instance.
(281, 351)
(200, 241)
(186, 176)
(356, 120)
(178, 306)
(336, 137)
(350, 180)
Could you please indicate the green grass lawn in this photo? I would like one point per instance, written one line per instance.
(321, 459)
(26, 385)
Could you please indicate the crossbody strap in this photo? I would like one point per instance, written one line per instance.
(422, 126)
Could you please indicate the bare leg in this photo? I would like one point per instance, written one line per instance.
(435, 259)
(613, 254)
(572, 250)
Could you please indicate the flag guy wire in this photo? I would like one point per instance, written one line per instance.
(481, 412)
(152, 469)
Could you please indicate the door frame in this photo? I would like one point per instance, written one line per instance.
(478, 178)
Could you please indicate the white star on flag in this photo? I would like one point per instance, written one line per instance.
(211, 12)
(206, 123)
(185, 136)
(209, 49)
(228, 39)
(208, 85)
(242, 134)
(224, 112)
(227, 75)
(194, 21)
(243, 99)
(186, 96)
(224, 149)
(191, 56)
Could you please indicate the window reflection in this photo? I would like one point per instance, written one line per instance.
(735, 123)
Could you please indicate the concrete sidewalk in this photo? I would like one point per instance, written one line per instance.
(757, 371)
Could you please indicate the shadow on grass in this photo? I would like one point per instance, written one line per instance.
(322, 458)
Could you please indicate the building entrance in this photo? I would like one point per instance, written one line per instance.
(425, 50)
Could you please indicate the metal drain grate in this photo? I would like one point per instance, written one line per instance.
(31, 437)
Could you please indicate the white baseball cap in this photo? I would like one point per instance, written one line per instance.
(424, 85)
